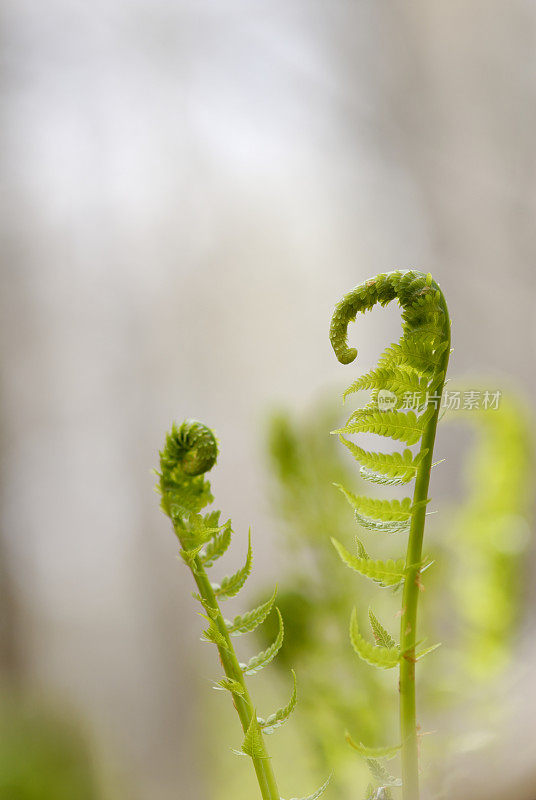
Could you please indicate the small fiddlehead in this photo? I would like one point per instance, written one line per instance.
(406, 389)
(190, 451)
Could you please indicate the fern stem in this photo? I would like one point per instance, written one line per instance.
(412, 589)
(242, 702)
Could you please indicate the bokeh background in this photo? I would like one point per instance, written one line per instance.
(188, 188)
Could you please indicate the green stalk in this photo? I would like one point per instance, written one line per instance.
(242, 702)
(410, 599)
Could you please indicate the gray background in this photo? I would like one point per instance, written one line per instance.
(188, 187)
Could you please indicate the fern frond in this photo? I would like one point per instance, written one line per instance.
(218, 545)
(253, 745)
(214, 635)
(231, 585)
(246, 623)
(395, 379)
(399, 425)
(274, 721)
(386, 573)
(230, 685)
(190, 451)
(361, 551)
(262, 659)
(396, 466)
(381, 636)
(379, 772)
(373, 752)
(426, 651)
(411, 375)
(417, 353)
(385, 510)
(383, 657)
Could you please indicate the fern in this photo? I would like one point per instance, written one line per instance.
(275, 721)
(248, 622)
(261, 660)
(189, 452)
(386, 573)
(412, 368)
(230, 586)
(374, 654)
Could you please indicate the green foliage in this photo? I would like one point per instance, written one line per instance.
(386, 573)
(261, 660)
(45, 755)
(275, 721)
(384, 657)
(389, 468)
(317, 591)
(399, 425)
(410, 376)
(253, 745)
(190, 451)
(230, 586)
(247, 623)
(381, 636)
(493, 527)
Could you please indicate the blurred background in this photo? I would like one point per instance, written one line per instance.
(188, 188)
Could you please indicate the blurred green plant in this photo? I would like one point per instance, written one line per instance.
(492, 521)
(44, 756)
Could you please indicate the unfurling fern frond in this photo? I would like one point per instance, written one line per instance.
(406, 387)
(189, 452)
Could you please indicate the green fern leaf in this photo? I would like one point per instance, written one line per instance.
(384, 510)
(402, 426)
(212, 611)
(386, 573)
(262, 659)
(417, 353)
(401, 467)
(361, 552)
(382, 657)
(189, 556)
(252, 744)
(230, 685)
(230, 586)
(373, 752)
(218, 545)
(213, 634)
(246, 623)
(379, 772)
(395, 379)
(381, 636)
(275, 721)
(426, 651)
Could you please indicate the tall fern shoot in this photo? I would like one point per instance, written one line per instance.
(189, 452)
(406, 389)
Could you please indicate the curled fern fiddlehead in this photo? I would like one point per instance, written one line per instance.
(189, 452)
(406, 388)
